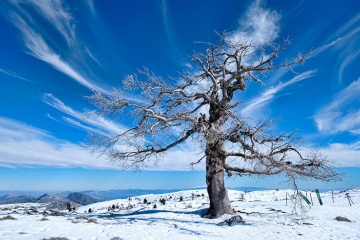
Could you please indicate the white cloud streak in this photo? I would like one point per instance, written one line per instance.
(38, 48)
(91, 6)
(342, 114)
(81, 126)
(54, 12)
(341, 35)
(348, 26)
(169, 31)
(346, 41)
(350, 56)
(343, 155)
(25, 146)
(99, 124)
(36, 38)
(266, 97)
(12, 74)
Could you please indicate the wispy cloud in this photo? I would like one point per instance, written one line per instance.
(342, 154)
(349, 28)
(259, 25)
(255, 104)
(90, 3)
(42, 44)
(55, 13)
(345, 42)
(40, 49)
(342, 114)
(12, 74)
(81, 126)
(18, 142)
(340, 37)
(169, 30)
(98, 124)
(350, 54)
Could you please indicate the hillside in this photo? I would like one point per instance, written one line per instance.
(81, 199)
(15, 198)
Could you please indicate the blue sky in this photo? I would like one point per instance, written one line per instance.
(53, 53)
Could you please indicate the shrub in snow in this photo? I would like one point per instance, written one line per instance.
(342, 219)
(188, 205)
(8, 217)
(92, 220)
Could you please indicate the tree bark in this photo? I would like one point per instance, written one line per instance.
(219, 200)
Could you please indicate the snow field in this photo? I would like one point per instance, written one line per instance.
(265, 213)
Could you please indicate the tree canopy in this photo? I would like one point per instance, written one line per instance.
(200, 106)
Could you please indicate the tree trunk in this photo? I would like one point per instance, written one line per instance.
(219, 200)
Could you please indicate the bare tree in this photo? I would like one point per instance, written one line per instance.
(200, 106)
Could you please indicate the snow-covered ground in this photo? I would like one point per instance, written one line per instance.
(266, 216)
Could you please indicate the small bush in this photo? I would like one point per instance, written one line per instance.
(92, 220)
(8, 217)
(188, 205)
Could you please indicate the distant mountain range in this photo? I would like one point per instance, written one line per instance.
(88, 197)
(13, 198)
(125, 193)
(77, 198)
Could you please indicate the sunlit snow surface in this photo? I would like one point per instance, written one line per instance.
(265, 213)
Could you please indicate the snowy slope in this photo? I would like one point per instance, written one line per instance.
(265, 213)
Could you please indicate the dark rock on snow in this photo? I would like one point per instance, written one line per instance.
(235, 220)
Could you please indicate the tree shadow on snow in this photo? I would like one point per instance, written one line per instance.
(199, 212)
(135, 217)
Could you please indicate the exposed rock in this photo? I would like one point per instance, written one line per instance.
(342, 219)
(235, 220)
